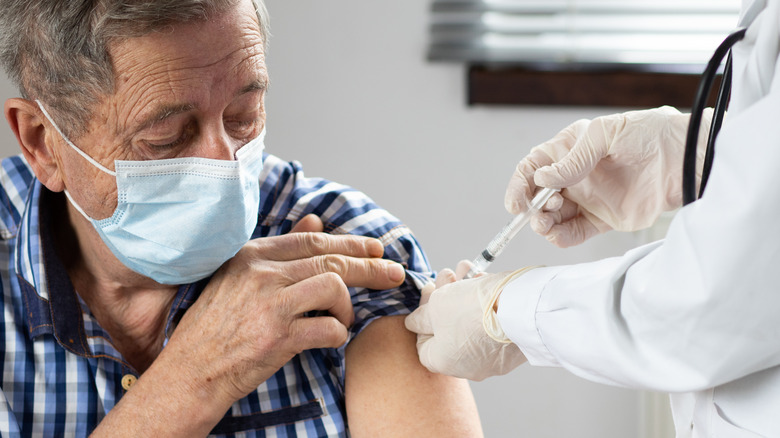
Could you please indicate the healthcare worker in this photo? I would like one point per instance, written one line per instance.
(696, 315)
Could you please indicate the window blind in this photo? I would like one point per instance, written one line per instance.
(672, 33)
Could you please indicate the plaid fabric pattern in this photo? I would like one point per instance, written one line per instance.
(60, 373)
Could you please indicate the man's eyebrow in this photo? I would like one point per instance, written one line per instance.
(258, 85)
(166, 111)
(162, 113)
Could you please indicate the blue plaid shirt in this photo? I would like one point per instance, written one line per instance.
(60, 373)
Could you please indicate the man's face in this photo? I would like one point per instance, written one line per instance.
(193, 90)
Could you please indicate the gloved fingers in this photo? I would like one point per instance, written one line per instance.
(518, 192)
(543, 222)
(521, 187)
(591, 145)
(421, 340)
(445, 276)
(571, 232)
(463, 268)
(427, 352)
(419, 321)
(426, 291)
(554, 203)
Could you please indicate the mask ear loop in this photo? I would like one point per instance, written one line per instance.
(82, 153)
(77, 207)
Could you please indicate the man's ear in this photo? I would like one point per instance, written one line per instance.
(36, 139)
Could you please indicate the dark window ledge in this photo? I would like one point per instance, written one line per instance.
(619, 88)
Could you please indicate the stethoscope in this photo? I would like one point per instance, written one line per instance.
(700, 102)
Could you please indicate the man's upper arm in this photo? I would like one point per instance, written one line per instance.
(389, 393)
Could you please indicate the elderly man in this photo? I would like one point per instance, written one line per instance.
(161, 275)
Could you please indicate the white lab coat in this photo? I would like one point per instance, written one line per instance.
(697, 314)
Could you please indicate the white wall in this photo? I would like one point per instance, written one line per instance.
(353, 98)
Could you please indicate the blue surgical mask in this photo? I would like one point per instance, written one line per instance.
(178, 220)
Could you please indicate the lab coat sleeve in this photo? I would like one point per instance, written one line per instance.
(696, 310)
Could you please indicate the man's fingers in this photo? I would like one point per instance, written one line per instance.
(319, 332)
(324, 292)
(371, 273)
(302, 245)
(311, 223)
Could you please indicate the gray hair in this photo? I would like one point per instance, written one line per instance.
(57, 51)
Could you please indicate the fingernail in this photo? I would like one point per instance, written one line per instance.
(396, 272)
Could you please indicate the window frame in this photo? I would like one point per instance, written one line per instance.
(614, 87)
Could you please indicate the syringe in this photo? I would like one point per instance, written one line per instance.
(511, 229)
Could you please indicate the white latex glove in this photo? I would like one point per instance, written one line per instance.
(457, 330)
(617, 172)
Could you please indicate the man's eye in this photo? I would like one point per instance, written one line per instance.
(171, 142)
(167, 144)
(243, 126)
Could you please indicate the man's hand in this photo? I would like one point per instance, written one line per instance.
(250, 318)
(457, 332)
(249, 321)
(617, 172)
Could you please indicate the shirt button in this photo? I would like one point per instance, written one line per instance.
(127, 381)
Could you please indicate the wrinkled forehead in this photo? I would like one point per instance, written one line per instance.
(195, 43)
(233, 35)
(194, 64)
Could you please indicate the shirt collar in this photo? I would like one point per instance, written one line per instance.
(28, 261)
(50, 310)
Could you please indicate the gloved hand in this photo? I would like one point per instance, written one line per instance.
(457, 330)
(617, 172)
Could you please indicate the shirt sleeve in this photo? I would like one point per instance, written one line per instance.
(400, 246)
(289, 196)
(699, 308)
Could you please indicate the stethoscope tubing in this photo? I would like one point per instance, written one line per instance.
(699, 103)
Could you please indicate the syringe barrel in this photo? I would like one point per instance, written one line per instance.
(517, 223)
(497, 245)
(480, 263)
(506, 234)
